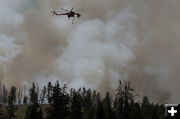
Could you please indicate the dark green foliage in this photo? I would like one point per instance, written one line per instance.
(33, 110)
(33, 95)
(49, 92)
(124, 101)
(100, 110)
(4, 95)
(25, 99)
(59, 105)
(151, 111)
(108, 107)
(76, 109)
(0, 92)
(3, 114)
(87, 102)
(135, 112)
(81, 104)
(11, 100)
(40, 113)
(146, 108)
(43, 95)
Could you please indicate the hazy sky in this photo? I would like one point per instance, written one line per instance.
(135, 40)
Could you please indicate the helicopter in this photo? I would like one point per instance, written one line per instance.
(68, 13)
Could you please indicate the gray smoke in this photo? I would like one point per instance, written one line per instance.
(133, 40)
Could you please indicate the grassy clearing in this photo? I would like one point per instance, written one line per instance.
(21, 110)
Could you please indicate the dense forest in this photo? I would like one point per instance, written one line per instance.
(61, 103)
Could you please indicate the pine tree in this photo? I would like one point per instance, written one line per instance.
(124, 101)
(81, 104)
(108, 107)
(59, 105)
(76, 107)
(145, 108)
(11, 101)
(87, 100)
(49, 92)
(92, 111)
(43, 94)
(137, 114)
(100, 110)
(33, 94)
(25, 100)
(4, 95)
(119, 102)
(33, 111)
(0, 93)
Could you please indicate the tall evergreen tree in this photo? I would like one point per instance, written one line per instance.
(49, 92)
(5, 95)
(100, 110)
(59, 105)
(82, 104)
(33, 94)
(87, 100)
(11, 101)
(42, 95)
(1, 93)
(92, 110)
(25, 100)
(124, 100)
(76, 110)
(137, 114)
(119, 102)
(146, 108)
(108, 107)
(33, 109)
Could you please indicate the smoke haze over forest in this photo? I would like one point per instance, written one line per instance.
(135, 40)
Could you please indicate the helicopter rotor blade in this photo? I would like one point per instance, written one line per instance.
(64, 9)
(79, 10)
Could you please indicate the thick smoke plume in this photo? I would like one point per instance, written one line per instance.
(114, 40)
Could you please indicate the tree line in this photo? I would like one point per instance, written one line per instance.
(78, 104)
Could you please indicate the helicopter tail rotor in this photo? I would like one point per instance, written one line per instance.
(53, 12)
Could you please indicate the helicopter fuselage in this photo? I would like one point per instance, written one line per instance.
(71, 14)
